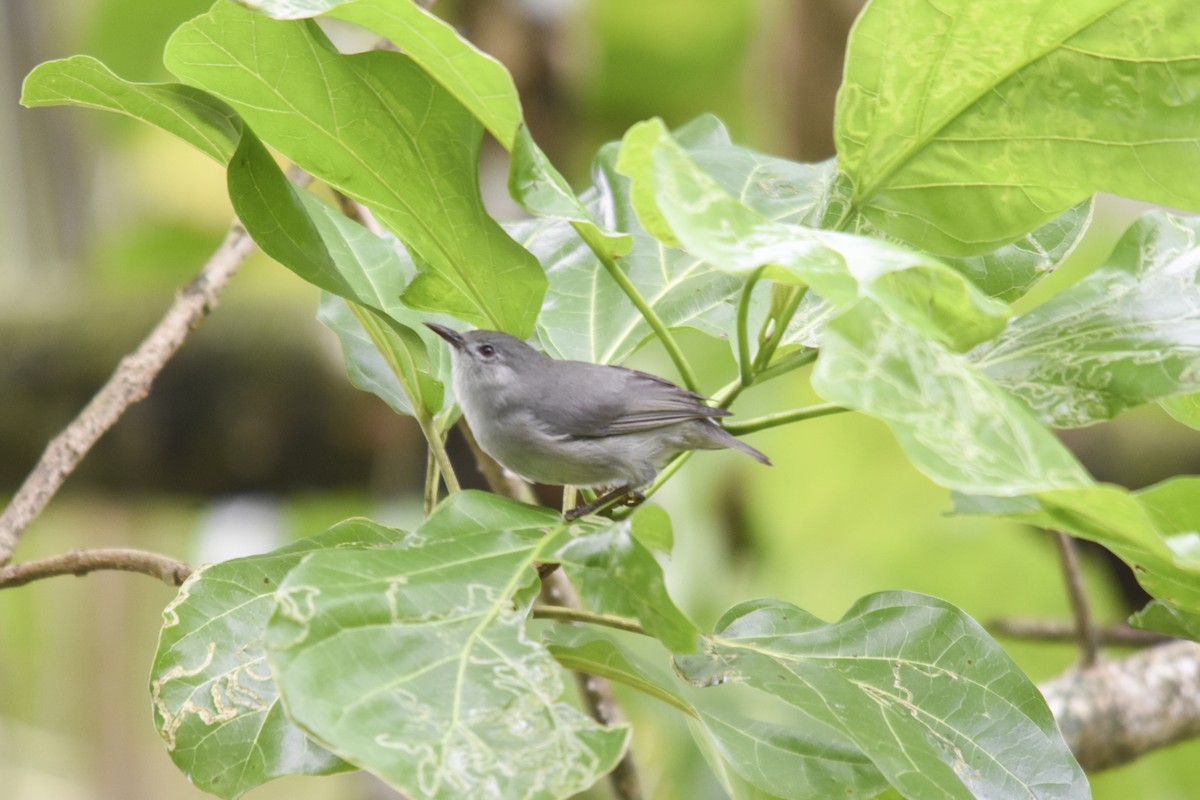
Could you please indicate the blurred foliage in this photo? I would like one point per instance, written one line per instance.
(160, 213)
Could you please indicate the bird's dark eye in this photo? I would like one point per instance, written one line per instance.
(486, 350)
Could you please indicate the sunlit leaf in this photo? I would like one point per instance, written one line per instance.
(1127, 334)
(194, 116)
(215, 703)
(479, 81)
(955, 424)
(964, 125)
(438, 690)
(914, 683)
(1010, 271)
(842, 268)
(587, 316)
(1183, 407)
(389, 137)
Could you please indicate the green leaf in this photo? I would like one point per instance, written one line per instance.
(615, 574)
(914, 683)
(1012, 270)
(273, 212)
(194, 116)
(1183, 407)
(964, 126)
(805, 760)
(404, 352)
(340, 256)
(1127, 334)
(438, 690)
(388, 136)
(214, 700)
(1160, 617)
(367, 368)
(651, 525)
(954, 423)
(843, 268)
(587, 316)
(481, 83)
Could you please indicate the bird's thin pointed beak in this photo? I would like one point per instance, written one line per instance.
(449, 334)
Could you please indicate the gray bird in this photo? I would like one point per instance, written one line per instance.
(574, 422)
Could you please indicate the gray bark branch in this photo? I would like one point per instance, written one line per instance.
(81, 562)
(130, 382)
(1116, 711)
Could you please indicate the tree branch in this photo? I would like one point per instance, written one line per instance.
(1116, 711)
(129, 383)
(1051, 630)
(1085, 627)
(81, 562)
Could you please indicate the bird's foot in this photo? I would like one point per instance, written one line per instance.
(619, 495)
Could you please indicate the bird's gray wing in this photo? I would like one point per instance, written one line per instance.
(613, 400)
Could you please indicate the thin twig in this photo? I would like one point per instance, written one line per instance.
(745, 365)
(648, 313)
(1040, 630)
(1085, 626)
(81, 562)
(597, 692)
(129, 383)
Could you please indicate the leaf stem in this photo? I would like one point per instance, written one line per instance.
(431, 481)
(793, 360)
(437, 445)
(565, 614)
(783, 418)
(648, 313)
(767, 351)
(745, 365)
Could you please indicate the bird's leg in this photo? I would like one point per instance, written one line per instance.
(634, 498)
(600, 502)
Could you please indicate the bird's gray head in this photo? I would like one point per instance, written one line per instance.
(488, 360)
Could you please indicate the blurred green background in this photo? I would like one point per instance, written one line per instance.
(252, 435)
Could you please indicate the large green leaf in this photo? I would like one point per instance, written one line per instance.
(1127, 334)
(914, 683)
(965, 125)
(685, 203)
(480, 82)
(805, 761)
(438, 689)
(302, 233)
(197, 117)
(586, 314)
(1008, 272)
(214, 700)
(340, 256)
(376, 126)
(955, 424)
(616, 574)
